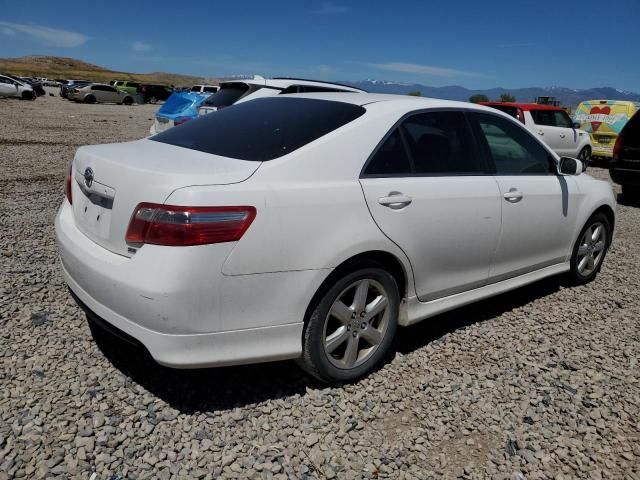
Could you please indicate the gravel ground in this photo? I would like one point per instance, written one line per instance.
(542, 382)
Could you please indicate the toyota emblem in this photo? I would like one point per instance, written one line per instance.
(88, 177)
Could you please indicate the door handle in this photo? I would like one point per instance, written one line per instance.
(395, 200)
(513, 195)
(562, 135)
(540, 132)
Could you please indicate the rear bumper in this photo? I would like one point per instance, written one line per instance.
(625, 176)
(236, 347)
(179, 305)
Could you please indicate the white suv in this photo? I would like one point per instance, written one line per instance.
(552, 125)
(242, 90)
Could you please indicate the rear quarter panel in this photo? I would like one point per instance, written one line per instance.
(311, 212)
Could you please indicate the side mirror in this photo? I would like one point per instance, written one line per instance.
(570, 166)
(576, 125)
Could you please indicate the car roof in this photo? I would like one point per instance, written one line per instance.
(390, 99)
(522, 106)
(284, 82)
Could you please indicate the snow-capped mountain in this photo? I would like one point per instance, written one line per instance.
(567, 96)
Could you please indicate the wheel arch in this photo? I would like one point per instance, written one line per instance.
(371, 258)
(608, 212)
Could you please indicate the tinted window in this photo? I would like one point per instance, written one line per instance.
(544, 117)
(513, 149)
(210, 89)
(195, 88)
(133, 84)
(391, 158)
(441, 143)
(5, 80)
(262, 129)
(96, 87)
(562, 119)
(227, 95)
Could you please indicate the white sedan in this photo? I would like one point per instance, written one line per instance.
(311, 226)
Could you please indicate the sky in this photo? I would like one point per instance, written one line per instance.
(510, 44)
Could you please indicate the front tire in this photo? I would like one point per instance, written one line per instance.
(127, 101)
(351, 328)
(585, 155)
(89, 99)
(590, 249)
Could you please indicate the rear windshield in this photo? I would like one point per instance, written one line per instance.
(227, 95)
(262, 129)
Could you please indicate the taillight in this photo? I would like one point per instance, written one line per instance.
(617, 147)
(177, 226)
(67, 184)
(181, 120)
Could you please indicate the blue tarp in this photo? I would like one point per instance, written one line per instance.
(182, 104)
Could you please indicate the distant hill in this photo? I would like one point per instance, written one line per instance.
(567, 96)
(68, 68)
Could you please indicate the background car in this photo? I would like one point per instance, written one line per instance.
(241, 91)
(10, 87)
(552, 124)
(154, 93)
(204, 88)
(127, 86)
(179, 108)
(67, 85)
(35, 85)
(625, 163)
(100, 93)
(311, 226)
(604, 120)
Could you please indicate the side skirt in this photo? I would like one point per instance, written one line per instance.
(417, 310)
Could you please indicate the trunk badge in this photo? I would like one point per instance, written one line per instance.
(88, 177)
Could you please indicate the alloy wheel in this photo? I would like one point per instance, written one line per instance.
(356, 324)
(591, 249)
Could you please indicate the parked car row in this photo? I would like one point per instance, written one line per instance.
(13, 87)
(99, 93)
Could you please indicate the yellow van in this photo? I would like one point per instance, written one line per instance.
(604, 119)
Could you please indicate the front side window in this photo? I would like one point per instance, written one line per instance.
(544, 117)
(513, 150)
(562, 119)
(440, 143)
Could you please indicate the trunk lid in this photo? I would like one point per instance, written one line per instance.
(110, 180)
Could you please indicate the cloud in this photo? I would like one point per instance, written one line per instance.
(141, 47)
(51, 37)
(429, 70)
(324, 69)
(330, 8)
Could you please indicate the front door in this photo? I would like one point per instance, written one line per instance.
(538, 205)
(429, 191)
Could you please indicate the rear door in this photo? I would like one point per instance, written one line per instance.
(429, 190)
(539, 207)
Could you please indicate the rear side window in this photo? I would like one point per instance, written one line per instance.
(513, 150)
(227, 95)
(391, 158)
(440, 143)
(210, 89)
(263, 129)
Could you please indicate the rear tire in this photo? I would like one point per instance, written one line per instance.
(27, 95)
(89, 99)
(590, 249)
(153, 100)
(351, 327)
(127, 101)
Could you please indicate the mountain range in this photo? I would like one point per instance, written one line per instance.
(65, 67)
(567, 96)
